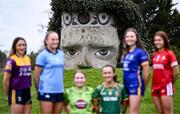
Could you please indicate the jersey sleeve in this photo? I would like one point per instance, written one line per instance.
(172, 59)
(40, 60)
(143, 57)
(124, 94)
(96, 93)
(9, 65)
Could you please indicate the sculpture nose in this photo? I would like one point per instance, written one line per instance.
(85, 59)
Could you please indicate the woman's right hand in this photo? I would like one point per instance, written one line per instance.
(67, 109)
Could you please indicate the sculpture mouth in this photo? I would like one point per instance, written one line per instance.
(84, 67)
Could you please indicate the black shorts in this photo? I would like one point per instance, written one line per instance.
(51, 97)
(19, 96)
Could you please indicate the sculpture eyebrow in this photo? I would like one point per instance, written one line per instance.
(72, 45)
(101, 45)
(93, 45)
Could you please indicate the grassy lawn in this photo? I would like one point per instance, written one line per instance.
(94, 78)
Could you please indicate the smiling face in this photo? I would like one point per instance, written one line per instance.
(159, 42)
(108, 74)
(20, 47)
(130, 38)
(89, 46)
(79, 79)
(52, 41)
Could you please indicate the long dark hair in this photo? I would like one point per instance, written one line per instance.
(13, 47)
(139, 43)
(164, 36)
(113, 69)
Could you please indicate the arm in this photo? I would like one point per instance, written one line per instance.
(96, 105)
(125, 104)
(175, 74)
(124, 101)
(67, 108)
(37, 73)
(146, 72)
(6, 82)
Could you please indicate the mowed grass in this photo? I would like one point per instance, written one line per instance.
(94, 78)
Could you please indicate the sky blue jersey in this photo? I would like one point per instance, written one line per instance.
(52, 76)
(132, 69)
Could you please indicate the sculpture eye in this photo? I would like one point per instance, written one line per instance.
(72, 52)
(103, 52)
(103, 18)
(67, 18)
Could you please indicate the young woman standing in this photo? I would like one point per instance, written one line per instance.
(49, 75)
(135, 63)
(17, 78)
(165, 71)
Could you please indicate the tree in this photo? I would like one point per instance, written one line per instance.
(160, 15)
(3, 59)
(33, 58)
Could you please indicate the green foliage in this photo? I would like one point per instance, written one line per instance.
(3, 59)
(127, 14)
(32, 56)
(93, 79)
(160, 15)
(177, 52)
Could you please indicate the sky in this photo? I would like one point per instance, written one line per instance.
(24, 18)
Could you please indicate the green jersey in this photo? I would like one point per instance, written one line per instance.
(110, 98)
(79, 100)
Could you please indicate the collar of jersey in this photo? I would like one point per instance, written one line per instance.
(51, 51)
(109, 87)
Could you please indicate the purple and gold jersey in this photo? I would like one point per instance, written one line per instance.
(20, 69)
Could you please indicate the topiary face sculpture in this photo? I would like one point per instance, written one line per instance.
(92, 30)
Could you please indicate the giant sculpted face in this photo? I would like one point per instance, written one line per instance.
(89, 40)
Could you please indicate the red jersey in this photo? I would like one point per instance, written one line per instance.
(163, 62)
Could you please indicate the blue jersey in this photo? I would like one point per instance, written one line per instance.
(52, 76)
(132, 69)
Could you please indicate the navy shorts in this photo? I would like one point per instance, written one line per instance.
(19, 96)
(51, 97)
(135, 90)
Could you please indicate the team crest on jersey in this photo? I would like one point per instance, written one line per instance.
(81, 104)
(131, 57)
(163, 58)
(117, 93)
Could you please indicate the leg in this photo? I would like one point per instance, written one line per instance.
(17, 109)
(27, 108)
(57, 107)
(46, 107)
(158, 104)
(167, 103)
(134, 104)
